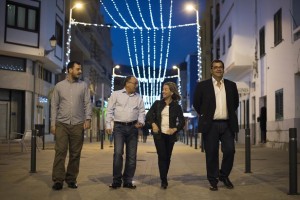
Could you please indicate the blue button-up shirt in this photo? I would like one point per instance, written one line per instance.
(124, 107)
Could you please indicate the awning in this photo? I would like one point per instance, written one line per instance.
(242, 87)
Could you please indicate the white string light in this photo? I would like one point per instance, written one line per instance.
(150, 82)
(126, 28)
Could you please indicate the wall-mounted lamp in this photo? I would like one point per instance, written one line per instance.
(53, 42)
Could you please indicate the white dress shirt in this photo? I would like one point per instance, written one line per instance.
(221, 106)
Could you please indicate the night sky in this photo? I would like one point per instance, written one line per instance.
(183, 40)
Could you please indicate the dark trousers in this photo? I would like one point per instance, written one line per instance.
(164, 147)
(219, 132)
(263, 136)
(67, 136)
(124, 135)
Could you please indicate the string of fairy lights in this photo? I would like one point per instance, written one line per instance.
(148, 47)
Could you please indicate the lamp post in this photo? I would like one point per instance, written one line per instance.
(178, 80)
(113, 77)
(114, 68)
(192, 7)
(77, 5)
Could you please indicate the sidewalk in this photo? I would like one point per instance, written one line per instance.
(269, 179)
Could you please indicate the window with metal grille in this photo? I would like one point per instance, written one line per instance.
(223, 46)
(279, 104)
(277, 27)
(229, 36)
(262, 42)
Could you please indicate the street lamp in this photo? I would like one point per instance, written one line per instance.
(53, 42)
(178, 80)
(115, 67)
(192, 7)
(113, 77)
(77, 5)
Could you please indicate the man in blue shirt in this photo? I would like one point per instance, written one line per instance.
(126, 109)
(71, 113)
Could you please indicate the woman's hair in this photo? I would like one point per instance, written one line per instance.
(173, 88)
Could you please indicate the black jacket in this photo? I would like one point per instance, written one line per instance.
(176, 119)
(205, 104)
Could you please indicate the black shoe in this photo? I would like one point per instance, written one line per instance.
(129, 185)
(115, 185)
(226, 182)
(164, 185)
(57, 186)
(72, 185)
(213, 187)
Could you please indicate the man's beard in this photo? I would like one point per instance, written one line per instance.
(75, 78)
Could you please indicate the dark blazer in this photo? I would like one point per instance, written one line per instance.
(205, 104)
(176, 119)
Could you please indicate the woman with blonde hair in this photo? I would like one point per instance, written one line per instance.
(165, 118)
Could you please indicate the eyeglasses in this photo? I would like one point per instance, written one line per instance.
(217, 67)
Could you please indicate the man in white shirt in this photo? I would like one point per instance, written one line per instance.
(216, 101)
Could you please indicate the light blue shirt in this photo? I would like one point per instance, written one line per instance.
(70, 103)
(124, 107)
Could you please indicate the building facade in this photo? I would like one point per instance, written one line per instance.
(30, 66)
(259, 44)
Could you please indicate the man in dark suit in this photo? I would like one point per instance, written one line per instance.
(216, 101)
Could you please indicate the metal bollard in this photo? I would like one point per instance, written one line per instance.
(191, 138)
(33, 152)
(196, 137)
(91, 136)
(187, 138)
(293, 161)
(101, 138)
(247, 151)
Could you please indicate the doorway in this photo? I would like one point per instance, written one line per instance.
(4, 122)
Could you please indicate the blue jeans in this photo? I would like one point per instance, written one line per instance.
(127, 135)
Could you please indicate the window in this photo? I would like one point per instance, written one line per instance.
(296, 13)
(218, 48)
(223, 46)
(279, 104)
(12, 64)
(59, 34)
(277, 27)
(229, 36)
(22, 16)
(45, 74)
(296, 19)
(217, 19)
(262, 42)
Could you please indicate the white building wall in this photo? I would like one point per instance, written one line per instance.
(277, 69)
(273, 71)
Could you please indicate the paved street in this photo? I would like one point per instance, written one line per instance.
(187, 177)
